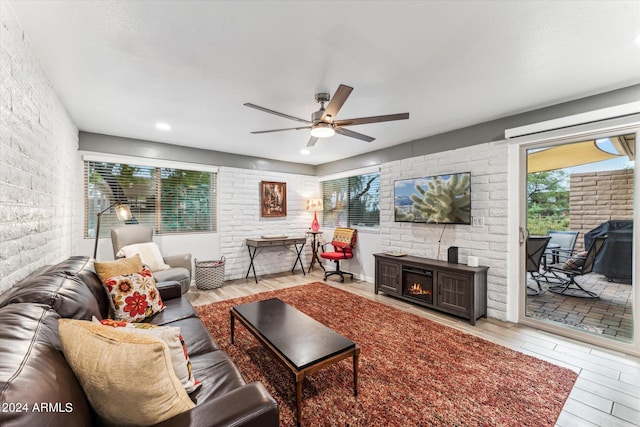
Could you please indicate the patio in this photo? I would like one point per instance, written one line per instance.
(609, 314)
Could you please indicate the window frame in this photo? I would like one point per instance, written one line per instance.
(350, 217)
(157, 216)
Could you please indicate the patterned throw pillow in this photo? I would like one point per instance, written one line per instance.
(134, 297)
(172, 337)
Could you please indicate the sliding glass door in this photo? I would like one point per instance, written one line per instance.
(577, 236)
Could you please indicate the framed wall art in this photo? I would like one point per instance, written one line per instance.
(273, 198)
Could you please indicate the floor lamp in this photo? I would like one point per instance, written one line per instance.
(122, 211)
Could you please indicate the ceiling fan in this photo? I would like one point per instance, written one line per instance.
(323, 123)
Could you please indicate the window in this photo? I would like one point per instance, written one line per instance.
(168, 199)
(352, 201)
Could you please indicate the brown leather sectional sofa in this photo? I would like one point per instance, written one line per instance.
(38, 387)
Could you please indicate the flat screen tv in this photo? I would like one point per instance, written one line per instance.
(439, 199)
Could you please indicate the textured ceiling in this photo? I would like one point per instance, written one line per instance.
(121, 66)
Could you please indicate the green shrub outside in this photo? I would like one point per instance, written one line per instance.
(539, 225)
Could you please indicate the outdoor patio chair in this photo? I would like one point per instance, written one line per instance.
(561, 246)
(536, 247)
(567, 272)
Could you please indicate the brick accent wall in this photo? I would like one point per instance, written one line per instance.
(489, 201)
(239, 204)
(38, 161)
(597, 197)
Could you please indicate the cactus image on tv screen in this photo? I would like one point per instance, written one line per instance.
(441, 199)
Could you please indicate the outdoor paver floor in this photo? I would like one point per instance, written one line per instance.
(609, 314)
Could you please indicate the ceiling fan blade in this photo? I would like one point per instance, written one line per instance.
(336, 102)
(280, 130)
(352, 134)
(286, 116)
(372, 119)
(312, 141)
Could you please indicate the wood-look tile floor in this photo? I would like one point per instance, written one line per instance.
(606, 393)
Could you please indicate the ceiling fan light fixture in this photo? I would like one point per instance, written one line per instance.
(322, 130)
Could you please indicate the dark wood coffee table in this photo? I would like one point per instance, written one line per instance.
(301, 343)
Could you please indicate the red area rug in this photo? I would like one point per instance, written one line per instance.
(413, 372)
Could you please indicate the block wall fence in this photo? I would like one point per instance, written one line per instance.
(597, 197)
(38, 166)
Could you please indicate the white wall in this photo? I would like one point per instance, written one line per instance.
(38, 145)
(239, 201)
(489, 196)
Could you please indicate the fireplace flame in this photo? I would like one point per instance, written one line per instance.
(416, 289)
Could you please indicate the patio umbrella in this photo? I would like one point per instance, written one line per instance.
(567, 155)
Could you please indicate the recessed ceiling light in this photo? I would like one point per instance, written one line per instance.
(305, 152)
(163, 126)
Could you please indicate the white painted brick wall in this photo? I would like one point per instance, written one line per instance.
(488, 166)
(38, 161)
(239, 192)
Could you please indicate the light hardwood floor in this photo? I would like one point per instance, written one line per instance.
(606, 393)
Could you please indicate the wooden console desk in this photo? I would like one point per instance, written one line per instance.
(260, 243)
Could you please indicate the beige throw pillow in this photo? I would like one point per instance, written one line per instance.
(172, 337)
(119, 267)
(127, 377)
(149, 252)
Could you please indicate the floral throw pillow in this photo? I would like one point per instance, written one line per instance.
(134, 297)
(172, 337)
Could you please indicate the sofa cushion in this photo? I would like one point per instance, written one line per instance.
(177, 274)
(34, 372)
(119, 267)
(127, 377)
(71, 287)
(218, 374)
(196, 337)
(83, 268)
(134, 297)
(176, 309)
(64, 292)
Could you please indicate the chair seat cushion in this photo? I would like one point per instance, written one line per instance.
(336, 255)
(178, 274)
(575, 262)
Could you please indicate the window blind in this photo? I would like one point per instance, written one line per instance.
(170, 200)
(352, 201)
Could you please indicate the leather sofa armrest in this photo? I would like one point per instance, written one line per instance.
(247, 406)
(182, 260)
(170, 290)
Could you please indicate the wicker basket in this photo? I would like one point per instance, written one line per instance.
(209, 274)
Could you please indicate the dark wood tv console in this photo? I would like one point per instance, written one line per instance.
(451, 288)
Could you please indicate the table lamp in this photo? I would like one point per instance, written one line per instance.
(314, 205)
(122, 211)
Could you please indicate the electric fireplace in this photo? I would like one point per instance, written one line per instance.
(417, 283)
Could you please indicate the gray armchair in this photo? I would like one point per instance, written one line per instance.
(132, 234)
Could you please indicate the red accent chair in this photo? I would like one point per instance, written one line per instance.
(343, 242)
